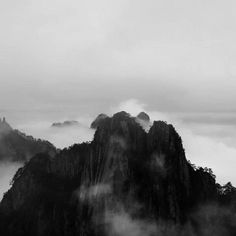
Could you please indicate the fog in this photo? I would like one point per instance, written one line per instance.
(122, 223)
(87, 55)
(60, 137)
(7, 171)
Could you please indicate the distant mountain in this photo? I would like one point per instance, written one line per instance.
(67, 123)
(16, 146)
(126, 182)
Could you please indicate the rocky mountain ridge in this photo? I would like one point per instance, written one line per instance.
(124, 173)
(17, 146)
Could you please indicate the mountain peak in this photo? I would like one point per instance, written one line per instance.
(121, 114)
(99, 119)
(143, 116)
(4, 126)
(146, 174)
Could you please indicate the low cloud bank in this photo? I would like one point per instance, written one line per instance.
(61, 137)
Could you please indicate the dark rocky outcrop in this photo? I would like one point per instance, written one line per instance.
(124, 172)
(98, 121)
(143, 120)
(16, 146)
(143, 116)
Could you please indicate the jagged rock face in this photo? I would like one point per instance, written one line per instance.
(122, 169)
(98, 121)
(16, 146)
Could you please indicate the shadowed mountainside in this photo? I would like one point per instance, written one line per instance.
(16, 146)
(125, 182)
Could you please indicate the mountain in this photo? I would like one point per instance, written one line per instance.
(16, 146)
(143, 116)
(144, 120)
(99, 120)
(67, 123)
(126, 182)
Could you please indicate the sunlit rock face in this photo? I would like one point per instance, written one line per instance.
(90, 188)
(16, 146)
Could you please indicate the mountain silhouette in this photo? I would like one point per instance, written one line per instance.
(125, 182)
(16, 146)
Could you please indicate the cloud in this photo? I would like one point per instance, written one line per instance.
(60, 137)
(208, 118)
(74, 53)
(134, 107)
(7, 171)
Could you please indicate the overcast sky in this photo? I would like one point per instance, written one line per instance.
(70, 58)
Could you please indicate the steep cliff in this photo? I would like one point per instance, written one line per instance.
(124, 173)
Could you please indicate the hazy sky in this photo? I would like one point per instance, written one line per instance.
(70, 58)
(173, 55)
